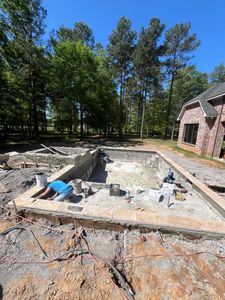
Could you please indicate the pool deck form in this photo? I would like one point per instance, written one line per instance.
(144, 217)
(213, 198)
(122, 216)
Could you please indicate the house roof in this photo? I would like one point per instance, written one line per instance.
(215, 91)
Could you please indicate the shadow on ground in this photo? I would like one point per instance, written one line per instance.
(1, 292)
(88, 142)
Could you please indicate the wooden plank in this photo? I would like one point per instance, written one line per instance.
(52, 151)
(59, 151)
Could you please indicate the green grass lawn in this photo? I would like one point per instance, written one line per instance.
(53, 138)
(172, 145)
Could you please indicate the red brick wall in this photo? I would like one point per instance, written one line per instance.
(208, 138)
(217, 131)
(207, 132)
(193, 115)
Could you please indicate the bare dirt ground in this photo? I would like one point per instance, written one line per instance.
(151, 265)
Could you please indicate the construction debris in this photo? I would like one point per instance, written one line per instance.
(3, 189)
(4, 159)
(54, 150)
(74, 262)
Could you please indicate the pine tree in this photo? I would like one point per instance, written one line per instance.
(147, 63)
(25, 26)
(120, 51)
(218, 74)
(178, 43)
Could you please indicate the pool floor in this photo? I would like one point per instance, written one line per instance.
(132, 175)
(138, 179)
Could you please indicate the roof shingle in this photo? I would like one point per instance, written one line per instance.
(215, 90)
(208, 109)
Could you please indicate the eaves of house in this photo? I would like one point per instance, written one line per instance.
(203, 99)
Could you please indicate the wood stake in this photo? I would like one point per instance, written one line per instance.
(15, 210)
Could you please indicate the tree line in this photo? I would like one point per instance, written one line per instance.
(137, 84)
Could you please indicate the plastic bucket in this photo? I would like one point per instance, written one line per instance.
(114, 190)
(155, 195)
(167, 188)
(77, 186)
(41, 180)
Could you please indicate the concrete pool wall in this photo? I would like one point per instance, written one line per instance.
(73, 156)
(149, 159)
(126, 214)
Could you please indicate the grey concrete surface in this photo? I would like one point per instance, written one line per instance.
(194, 205)
(209, 175)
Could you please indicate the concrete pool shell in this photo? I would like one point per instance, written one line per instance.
(202, 213)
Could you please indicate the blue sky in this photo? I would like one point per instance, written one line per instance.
(206, 16)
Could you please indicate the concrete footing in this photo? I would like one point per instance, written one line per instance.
(117, 217)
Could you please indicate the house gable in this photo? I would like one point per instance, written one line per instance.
(216, 91)
(202, 124)
(193, 115)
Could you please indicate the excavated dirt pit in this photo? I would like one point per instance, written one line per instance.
(152, 265)
(139, 175)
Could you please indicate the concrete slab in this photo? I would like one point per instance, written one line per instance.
(145, 217)
(101, 213)
(214, 199)
(203, 210)
(33, 191)
(124, 217)
(63, 173)
(47, 205)
(25, 202)
(121, 215)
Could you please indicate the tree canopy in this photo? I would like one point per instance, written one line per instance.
(120, 49)
(71, 84)
(218, 75)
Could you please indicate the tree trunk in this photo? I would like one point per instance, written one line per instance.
(139, 113)
(153, 118)
(143, 115)
(34, 102)
(126, 118)
(45, 117)
(30, 117)
(105, 131)
(120, 104)
(81, 123)
(172, 133)
(32, 85)
(147, 133)
(71, 120)
(169, 108)
(36, 127)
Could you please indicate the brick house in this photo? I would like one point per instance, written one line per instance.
(202, 122)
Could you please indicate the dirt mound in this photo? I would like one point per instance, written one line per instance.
(17, 181)
(148, 263)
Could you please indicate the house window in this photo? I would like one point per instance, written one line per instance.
(190, 133)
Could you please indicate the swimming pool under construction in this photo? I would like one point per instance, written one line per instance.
(119, 189)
